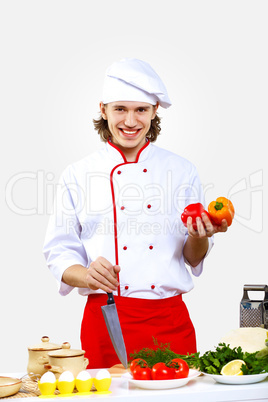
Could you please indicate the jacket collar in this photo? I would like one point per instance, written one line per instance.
(115, 153)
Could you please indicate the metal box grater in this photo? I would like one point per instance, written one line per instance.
(254, 313)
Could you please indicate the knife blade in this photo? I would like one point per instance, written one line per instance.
(114, 328)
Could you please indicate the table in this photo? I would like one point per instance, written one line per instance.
(200, 389)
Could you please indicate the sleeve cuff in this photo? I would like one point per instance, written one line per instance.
(58, 271)
(64, 289)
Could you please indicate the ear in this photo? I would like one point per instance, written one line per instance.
(155, 110)
(103, 111)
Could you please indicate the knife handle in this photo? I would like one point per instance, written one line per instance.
(110, 298)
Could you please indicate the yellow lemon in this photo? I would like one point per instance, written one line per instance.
(233, 368)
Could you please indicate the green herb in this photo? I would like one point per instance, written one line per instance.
(256, 363)
(210, 362)
(162, 353)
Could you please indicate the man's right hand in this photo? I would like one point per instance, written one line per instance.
(101, 274)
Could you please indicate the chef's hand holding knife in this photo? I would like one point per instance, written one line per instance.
(101, 274)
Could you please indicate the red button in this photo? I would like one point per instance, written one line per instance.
(145, 170)
(119, 172)
(149, 206)
(126, 287)
(152, 287)
(122, 208)
(151, 247)
(125, 248)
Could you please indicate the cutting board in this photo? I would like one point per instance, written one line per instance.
(118, 370)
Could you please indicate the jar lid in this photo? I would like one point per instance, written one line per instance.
(45, 345)
(65, 351)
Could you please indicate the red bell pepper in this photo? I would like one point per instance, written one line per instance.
(194, 211)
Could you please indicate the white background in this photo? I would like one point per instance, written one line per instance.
(212, 56)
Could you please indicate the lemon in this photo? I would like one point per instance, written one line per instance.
(233, 368)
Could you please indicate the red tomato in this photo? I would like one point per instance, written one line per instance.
(142, 373)
(181, 368)
(162, 372)
(135, 362)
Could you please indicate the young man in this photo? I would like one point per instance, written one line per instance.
(117, 227)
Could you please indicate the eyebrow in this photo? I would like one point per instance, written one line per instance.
(125, 107)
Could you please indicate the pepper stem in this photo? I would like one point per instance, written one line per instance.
(218, 206)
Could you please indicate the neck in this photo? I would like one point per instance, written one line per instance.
(131, 153)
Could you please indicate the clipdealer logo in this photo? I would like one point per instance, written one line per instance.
(246, 195)
(130, 227)
(43, 192)
(83, 198)
(249, 195)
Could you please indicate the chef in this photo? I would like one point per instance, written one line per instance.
(116, 223)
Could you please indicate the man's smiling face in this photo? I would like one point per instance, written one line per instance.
(129, 122)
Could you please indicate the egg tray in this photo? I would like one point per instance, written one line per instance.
(30, 389)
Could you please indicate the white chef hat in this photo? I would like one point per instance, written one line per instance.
(134, 80)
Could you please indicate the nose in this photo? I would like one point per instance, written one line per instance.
(130, 120)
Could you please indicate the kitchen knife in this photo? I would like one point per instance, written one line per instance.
(113, 325)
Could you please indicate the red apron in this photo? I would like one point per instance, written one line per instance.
(166, 320)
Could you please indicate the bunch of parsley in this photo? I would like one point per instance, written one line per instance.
(212, 362)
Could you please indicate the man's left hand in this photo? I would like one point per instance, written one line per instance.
(205, 227)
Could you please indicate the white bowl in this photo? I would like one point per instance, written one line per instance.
(162, 384)
(238, 379)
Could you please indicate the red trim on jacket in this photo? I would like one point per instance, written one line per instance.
(140, 151)
(119, 150)
(113, 198)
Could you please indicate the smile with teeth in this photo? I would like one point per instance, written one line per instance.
(129, 132)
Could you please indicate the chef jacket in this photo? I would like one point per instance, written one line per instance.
(128, 213)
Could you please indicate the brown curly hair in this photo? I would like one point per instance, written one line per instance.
(101, 126)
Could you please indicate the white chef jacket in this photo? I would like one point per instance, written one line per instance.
(128, 213)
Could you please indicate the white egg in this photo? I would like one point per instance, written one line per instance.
(83, 375)
(48, 377)
(66, 376)
(103, 373)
